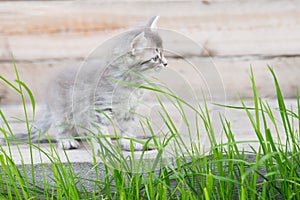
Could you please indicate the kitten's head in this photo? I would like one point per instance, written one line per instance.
(146, 48)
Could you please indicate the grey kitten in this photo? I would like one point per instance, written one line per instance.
(93, 96)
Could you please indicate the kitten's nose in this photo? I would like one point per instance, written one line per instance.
(164, 61)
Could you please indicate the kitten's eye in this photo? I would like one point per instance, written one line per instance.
(156, 58)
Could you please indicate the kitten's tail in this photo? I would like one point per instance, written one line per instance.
(37, 132)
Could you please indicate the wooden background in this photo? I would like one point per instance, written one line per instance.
(44, 36)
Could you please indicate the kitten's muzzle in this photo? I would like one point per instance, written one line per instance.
(164, 61)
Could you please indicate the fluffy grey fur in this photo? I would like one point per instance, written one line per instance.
(91, 96)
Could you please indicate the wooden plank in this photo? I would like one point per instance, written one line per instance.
(47, 30)
(36, 75)
(217, 78)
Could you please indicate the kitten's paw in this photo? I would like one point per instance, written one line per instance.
(68, 144)
(125, 145)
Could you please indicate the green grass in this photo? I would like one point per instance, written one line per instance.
(226, 171)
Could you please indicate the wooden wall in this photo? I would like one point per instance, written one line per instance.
(221, 38)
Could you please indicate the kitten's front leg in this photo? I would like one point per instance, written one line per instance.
(65, 138)
(99, 130)
(99, 138)
(128, 130)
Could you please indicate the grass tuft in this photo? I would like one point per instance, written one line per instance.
(225, 171)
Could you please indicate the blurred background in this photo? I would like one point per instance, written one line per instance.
(45, 36)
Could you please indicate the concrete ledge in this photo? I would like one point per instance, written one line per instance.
(81, 163)
(86, 171)
(240, 125)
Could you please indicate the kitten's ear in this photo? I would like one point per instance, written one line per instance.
(139, 42)
(152, 23)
